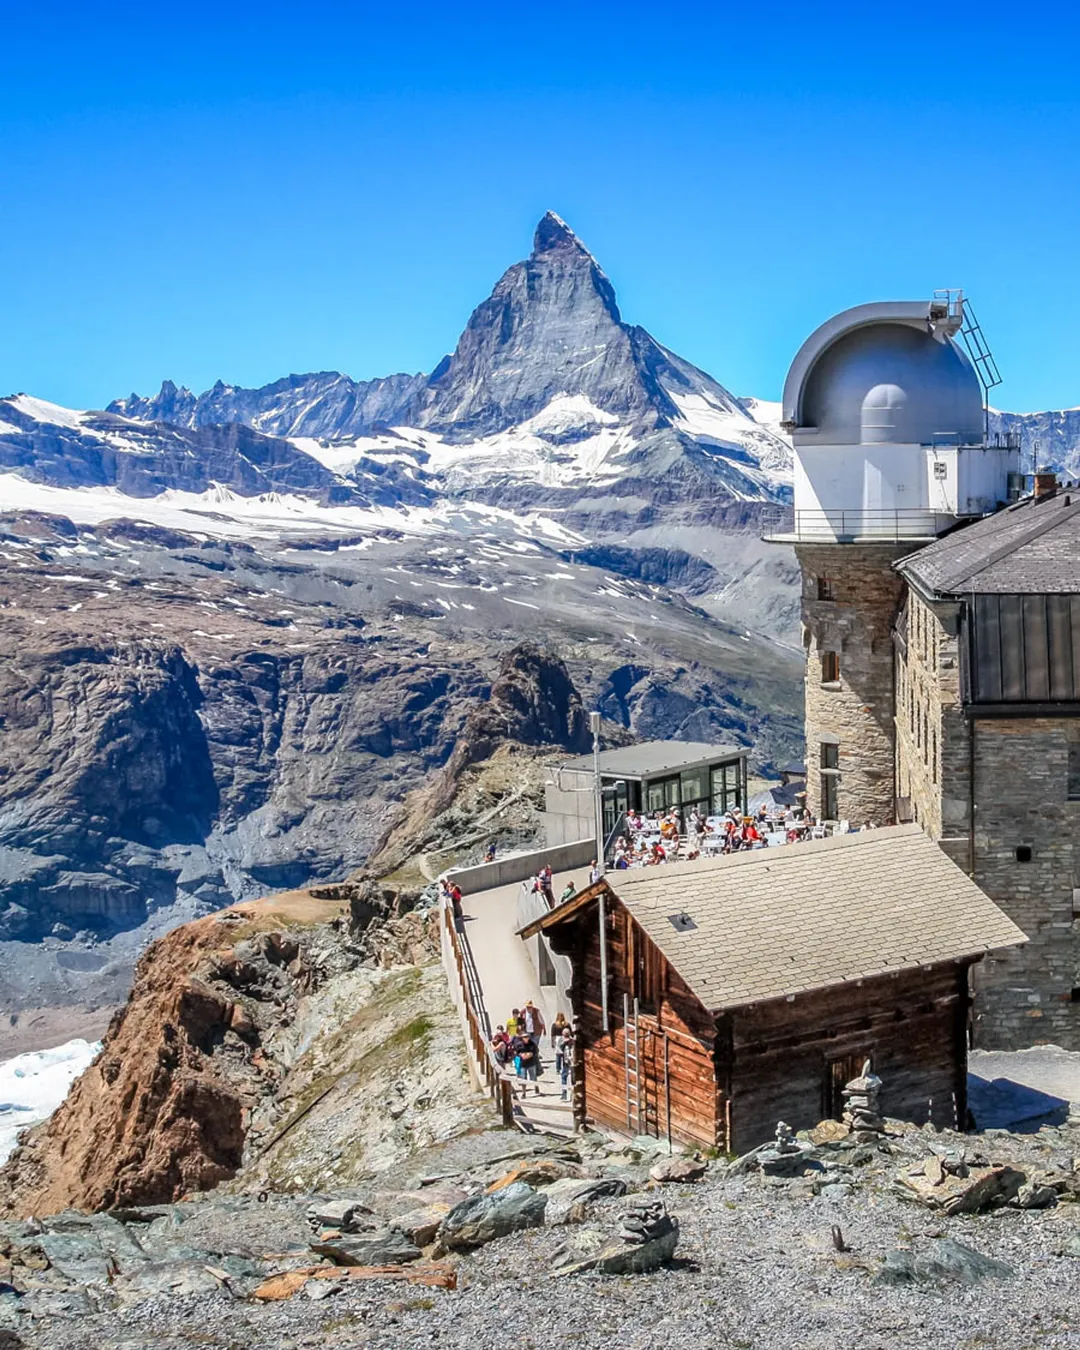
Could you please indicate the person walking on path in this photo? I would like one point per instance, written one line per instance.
(455, 904)
(530, 1063)
(513, 1023)
(564, 1062)
(557, 1028)
(534, 1020)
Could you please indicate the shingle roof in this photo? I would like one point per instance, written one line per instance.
(651, 758)
(786, 920)
(1030, 548)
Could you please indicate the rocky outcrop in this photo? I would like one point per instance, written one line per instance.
(249, 1039)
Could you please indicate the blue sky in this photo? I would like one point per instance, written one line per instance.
(248, 190)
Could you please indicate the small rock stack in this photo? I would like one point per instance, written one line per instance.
(645, 1221)
(861, 1111)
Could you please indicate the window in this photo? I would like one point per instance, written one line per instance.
(1023, 853)
(1073, 792)
(647, 971)
(830, 754)
(825, 588)
(828, 796)
(830, 667)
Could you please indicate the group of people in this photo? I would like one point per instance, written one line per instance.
(659, 837)
(517, 1044)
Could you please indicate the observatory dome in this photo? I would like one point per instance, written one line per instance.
(891, 382)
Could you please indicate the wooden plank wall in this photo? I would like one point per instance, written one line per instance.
(696, 1115)
(912, 1026)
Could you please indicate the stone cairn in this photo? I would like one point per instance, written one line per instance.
(784, 1156)
(645, 1221)
(861, 1110)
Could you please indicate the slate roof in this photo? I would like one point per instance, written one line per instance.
(652, 759)
(805, 916)
(1031, 548)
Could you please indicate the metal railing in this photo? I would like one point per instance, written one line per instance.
(467, 996)
(889, 526)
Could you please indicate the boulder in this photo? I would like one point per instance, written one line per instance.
(347, 1216)
(981, 1188)
(569, 1200)
(483, 1218)
(678, 1169)
(1034, 1195)
(828, 1132)
(421, 1225)
(387, 1247)
(536, 1172)
(945, 1260)
(646, 1240)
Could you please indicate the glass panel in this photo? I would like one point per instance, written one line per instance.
(654, 797)
(693, 785)
(718, 807)
(671, 792)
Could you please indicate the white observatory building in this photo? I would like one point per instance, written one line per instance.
(887, 414)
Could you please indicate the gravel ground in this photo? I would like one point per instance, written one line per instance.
(756, 1269)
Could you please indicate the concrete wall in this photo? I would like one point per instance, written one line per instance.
(519, 866)
(569, 812)
(555, 997)
(858, 709)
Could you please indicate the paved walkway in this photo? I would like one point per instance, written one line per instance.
(507, 979)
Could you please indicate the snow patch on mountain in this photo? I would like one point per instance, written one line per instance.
(33, 1085)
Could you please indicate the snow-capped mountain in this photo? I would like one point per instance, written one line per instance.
(548, 391)
(1051, 438)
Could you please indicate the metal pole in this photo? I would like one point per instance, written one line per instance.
(598, 804)
(603, 964)
(626, 1051)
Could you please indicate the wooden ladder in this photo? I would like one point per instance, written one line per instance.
(633, 1066)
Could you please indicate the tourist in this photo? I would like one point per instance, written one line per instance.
(564, 1062)
(529, 1063)
(500, 1045)
(513, 1022)
(489, 856)
(557, 1028)
(546, 883)
(455, 904)
(533, 1020)
(595, 873)
(569, 891)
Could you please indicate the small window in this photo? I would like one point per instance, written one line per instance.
(830, 667)
(828, 797)
(1023, 853)
(825, 588)
(830, 755)
(1073, 792)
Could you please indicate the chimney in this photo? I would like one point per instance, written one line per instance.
(1045, 483)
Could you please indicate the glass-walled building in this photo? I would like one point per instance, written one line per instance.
(652, 776)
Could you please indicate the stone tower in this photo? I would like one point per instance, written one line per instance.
(885, 412)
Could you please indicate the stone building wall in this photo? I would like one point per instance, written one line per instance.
(1023, 995)
(849, 604)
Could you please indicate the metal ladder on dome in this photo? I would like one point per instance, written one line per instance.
(978, 349)
(633, 1066)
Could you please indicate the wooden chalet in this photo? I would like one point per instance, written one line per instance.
(714, 998)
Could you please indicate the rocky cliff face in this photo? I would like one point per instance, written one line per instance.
(1051, 438)
(236, 1028)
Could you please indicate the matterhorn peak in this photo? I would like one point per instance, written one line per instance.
(552, 233)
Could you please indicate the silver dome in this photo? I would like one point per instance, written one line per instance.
(879, 374)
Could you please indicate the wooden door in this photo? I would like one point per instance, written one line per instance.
(838, 1073)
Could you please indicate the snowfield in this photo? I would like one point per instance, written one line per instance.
(33, 1085)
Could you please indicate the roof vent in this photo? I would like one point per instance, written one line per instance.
(682, 923)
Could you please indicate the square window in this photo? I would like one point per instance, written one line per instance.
(825, 588)
(1023, 853)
